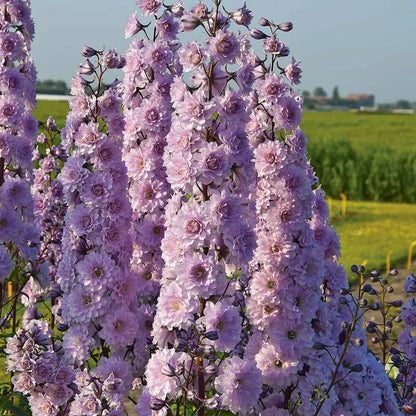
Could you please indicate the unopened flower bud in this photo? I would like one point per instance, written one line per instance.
(390, 289)
(358, 342)
(363, 303)
(376, 306)
(86, 68)
(367, 288)
(285, 27)
(357, 368)
(157, 404)
(180, 345)
(375, 273)
(258, 34)
(375, 340)
(354, 268)
(211, 335)
(344, 291)
(62, 327)
(89, 52)
(211, 369)
(264, 22)
(177, 9)
(394, 272)
(189, 23)
(213, 402)
(397, 303)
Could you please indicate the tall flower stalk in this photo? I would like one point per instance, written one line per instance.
(19, 238)
(200, 328)
(150, 68)
(98, 305)
(296, 279)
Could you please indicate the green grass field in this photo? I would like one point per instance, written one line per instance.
(394, 131)
(57, 109)
(370, 230)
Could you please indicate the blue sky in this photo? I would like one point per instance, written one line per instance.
(361, 46)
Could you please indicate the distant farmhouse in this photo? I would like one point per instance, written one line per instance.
(352, 101)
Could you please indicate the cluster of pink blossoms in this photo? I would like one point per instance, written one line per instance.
(296, 278)
(18, 131)
(98, 306)
(148, 75)
(404, 356)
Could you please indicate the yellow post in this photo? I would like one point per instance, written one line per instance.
(388, 261)
(330, 207)
(9, 289)
(409, 258)
(344, 204)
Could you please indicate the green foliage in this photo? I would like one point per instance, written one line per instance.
(373, 174)
(13, 403)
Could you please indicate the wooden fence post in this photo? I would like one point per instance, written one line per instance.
(409, 257)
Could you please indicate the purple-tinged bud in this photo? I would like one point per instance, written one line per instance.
(62, 327)
(363, 303)
(189, 23)
(398, 319)
(211, 370)
(344, 291)
(242, 16)
(50, 124)
(180, 345)
(367, 288)
(358, 342)
(157, 404)
(177, 9)
(213, 402)
(355, 269)
(394, 351)
(396, 359)
(89, 52)
(211, 335)
(376, 306)
(345, 325)
(375, 273)
(357, 368)
(258, 34)
(375, 340)
(86, 68)
(394, 272)
(375, 279)
(264, 22)
(396, 303)
(208, 349)
(342, 337)
(384, 281)
(285, 27)
(390, 289)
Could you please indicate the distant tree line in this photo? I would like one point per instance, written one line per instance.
(337, 100)
(49, 86)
